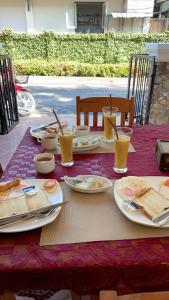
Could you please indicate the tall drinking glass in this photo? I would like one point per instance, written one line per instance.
(109, 116)
(66, 147)
(121, 146)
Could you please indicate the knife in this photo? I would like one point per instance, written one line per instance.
(32, 213)
(43, 127)
(161, 216)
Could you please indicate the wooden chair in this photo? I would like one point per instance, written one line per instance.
(112, 295)
(95, 105)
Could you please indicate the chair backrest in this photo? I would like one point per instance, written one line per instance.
(95, 105)
(112, 295)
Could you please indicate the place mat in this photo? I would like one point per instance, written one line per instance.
(103, 147)
(93, 217)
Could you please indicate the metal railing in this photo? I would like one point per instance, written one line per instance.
(8, 104)
(140, 85)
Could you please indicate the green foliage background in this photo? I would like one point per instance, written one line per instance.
(74, 51)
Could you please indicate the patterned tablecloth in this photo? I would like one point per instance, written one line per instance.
(141, 265)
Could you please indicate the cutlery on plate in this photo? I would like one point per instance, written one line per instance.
(34, 213)
(40, 215)
(161, 216)
(73, 180)
(163, 221)
(43, 127)
(130, 205)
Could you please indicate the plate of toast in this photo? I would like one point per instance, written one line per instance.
(28, 204)
(144, 200)
(37, 131)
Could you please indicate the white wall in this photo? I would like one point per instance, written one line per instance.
(114, 6)
(12, 15)
(58, 15)
(128, 25)
(141, 6)
(49, 15)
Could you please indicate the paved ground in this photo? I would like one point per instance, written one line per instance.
(61, 92)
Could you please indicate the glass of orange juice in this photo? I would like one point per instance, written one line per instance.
(66, 147)
(121, 146)
(109, 116)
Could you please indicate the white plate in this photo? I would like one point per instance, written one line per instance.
(92, 140)
(40, 133)
(107, 185)
(138, 216)
(36, 222)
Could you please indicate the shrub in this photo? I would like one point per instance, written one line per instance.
(52, 68)
(80, 48)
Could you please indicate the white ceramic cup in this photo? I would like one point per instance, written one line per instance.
(49, 141)
(44, 163)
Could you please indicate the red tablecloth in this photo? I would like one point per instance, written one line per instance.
(141, 265)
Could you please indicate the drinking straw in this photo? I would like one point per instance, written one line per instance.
(55, 114)
(114, 127)
(111, 105)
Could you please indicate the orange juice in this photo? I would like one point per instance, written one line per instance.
(66, 144)
(121, 146)
(108, 129)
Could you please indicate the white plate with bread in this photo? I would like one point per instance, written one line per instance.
(38, 131)
(149, 194)
(19, 197)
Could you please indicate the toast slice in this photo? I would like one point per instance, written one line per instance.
(38, 200)
(132, 187)
(164, 191)
(13, 206)
(152, 203)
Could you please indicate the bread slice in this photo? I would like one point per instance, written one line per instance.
(132, 187)
(164, 191)
(152, 203)
(38, 200)
(13, 206)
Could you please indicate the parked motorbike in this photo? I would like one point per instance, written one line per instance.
(25, 101)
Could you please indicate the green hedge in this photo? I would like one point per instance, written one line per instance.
(82, 48)
(52, 68)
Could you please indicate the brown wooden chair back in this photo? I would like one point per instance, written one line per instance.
(112, 295)
(95, 105)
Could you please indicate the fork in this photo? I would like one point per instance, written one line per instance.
(39, 215)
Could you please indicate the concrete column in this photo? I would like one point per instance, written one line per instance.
(159, 112)
(29, 16)
(146, 25)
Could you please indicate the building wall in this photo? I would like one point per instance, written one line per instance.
(49, 15)
(128, 25)
(141, 6)
(164, 6)
(13, 15)
(59, 15)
